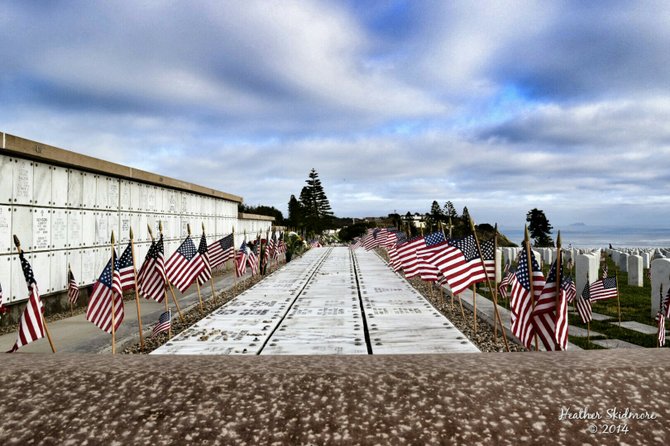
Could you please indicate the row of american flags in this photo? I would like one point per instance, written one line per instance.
(538, 314)
(184, 267)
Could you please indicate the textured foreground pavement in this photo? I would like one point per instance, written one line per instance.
(512, 398)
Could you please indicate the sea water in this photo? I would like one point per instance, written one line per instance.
(586, 236)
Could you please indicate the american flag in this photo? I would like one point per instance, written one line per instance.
(489, 259)
(521, 300)
(31, 324)
(357, 243)
(506, 280)
(568, 286)
(549, 322)
(221, 251)
(151, 278)
(460, 264)
(583, 305)
(370, 239)
(184, 265)
(253, 256)
(164, 321)
(125, 279)
(605, 271)
(407, 253)
(603, 289)
(271, 247)
(241, 258)
(206, 272)
(99, 310)
(666, 303)
(72, 288)
(433, 244)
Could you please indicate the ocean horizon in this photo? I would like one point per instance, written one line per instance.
(586, 236)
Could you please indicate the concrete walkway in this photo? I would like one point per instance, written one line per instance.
(77, 335)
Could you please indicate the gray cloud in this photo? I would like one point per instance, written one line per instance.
(500, 107)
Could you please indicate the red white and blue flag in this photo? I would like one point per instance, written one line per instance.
(184, 265)
(72, 288)
(602, 289)
(221, 251)
(206, 272)
(550, 321)
(521, 301)
(460, 263)
(125, 279)
(152, 279)
(31, 324)
(99, 310)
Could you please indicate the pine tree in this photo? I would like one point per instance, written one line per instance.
(450, 210)
(316, 210)
(539, 228)
(294, 213)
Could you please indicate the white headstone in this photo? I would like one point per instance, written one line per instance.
(646, 260)
(498, 265)
(660, 275)
(586, 270)
(623, 262)
(615, 257)
(548, 255)
(635, 276)
(538, 256)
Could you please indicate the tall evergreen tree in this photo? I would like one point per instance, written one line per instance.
(450, 210)
(316, 210)
(294, 213)
(539, 228)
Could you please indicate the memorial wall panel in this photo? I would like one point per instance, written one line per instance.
(6, 179)
(23, 182)
(5, 229)
(64, 216)
(41, 184)
(58, 270)
(59, 186)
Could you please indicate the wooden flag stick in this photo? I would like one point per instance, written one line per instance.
(559, 264)
(618, 299)
(197, 285)
(211, 277)
(531, 278)
(488, 282)
(17, 243)
(474, 306)
(113, 300)
(167, 308)
(174, 299)
(461, 304)
(137, 290)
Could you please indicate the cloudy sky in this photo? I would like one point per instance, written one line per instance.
(499, 106)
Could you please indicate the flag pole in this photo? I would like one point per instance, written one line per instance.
(211, 277)
(113, 303)
(137, 291)
(197, 285)
(165, 296)
(559, 266)
(658, 316)
(488, 282)
(69, 273)
(167, 281)
(17, 243)
(529, 262)
(618, 299)
(588, 322)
